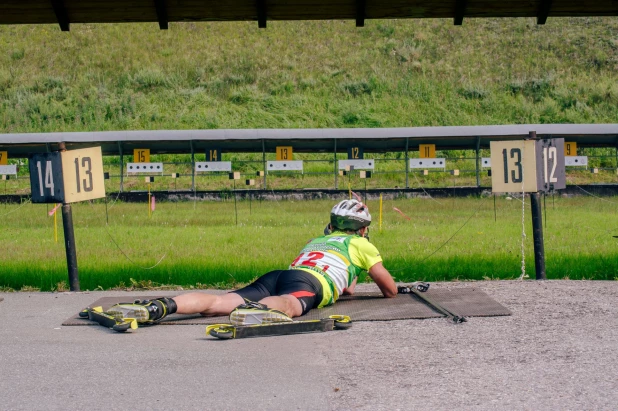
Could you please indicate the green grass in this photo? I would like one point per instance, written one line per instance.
(199, 245)
(308, 74)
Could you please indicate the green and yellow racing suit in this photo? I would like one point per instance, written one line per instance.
(336, 260)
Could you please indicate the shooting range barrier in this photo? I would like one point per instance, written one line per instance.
(465, 302)
(397, 154)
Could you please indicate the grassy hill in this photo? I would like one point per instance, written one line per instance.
(308, 74)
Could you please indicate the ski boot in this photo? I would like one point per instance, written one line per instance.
(144, 311)
(252, 313)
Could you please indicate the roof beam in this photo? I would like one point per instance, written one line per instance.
(544, 8)
(460, 10)
(61, 14)
(161, 8)
(261, 13)
(360, 12)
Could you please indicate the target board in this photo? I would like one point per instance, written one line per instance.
(67, 176)
(527, 165)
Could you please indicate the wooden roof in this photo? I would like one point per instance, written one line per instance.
(65, 12)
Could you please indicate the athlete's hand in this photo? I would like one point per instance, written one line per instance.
(350, 289)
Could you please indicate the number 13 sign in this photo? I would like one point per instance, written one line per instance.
(67, 176)
(527, 165)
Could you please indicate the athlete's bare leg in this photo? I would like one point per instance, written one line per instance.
(209, 305)
(285, 303)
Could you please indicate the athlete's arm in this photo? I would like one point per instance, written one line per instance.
(383, 279)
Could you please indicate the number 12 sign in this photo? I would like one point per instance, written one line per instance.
(67, 177)
(527, 165)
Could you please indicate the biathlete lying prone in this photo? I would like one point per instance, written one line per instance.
(327, 267)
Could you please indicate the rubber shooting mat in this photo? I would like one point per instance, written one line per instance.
(465, 302)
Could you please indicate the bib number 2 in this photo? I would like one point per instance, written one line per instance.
(310, 259)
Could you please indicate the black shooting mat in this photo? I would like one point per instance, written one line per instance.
(466, 302)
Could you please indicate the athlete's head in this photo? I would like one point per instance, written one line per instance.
(350, 215)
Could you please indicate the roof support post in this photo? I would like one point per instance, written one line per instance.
(460, 11)
(544, 8)
(478, 166)
(407, 163)
(360, 12)
(264, 161)
(161, 8)
(261, 13)
(335, 170)
(61, 14)
(121, 166)
(192, 166)
(616, 154)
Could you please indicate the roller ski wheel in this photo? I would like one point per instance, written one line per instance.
(97, 315)
(342, 322)
(221, 331)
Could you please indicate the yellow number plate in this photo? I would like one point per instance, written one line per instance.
(141, 155)
(427, 150)
(284, 153)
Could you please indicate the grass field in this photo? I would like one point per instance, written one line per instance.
(308, 74)
(200, 245)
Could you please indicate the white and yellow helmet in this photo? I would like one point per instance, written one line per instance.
(350, 215)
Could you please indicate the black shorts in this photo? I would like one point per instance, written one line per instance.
(298, 283)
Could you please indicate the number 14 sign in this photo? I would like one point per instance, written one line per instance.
(67, 176)
(527, 165)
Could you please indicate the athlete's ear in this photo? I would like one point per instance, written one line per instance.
(364, 232)
(328, 229)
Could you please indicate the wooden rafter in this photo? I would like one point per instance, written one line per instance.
(138, 11)
(61, 14)
(544, 8)
(261, 12)
(360, 12)
(161, 8)
(460, 11)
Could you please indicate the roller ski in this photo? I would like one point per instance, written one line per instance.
(257, 320)
(99, 316)
(121, 317)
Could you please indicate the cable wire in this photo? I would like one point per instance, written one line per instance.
(423, 188)
(448, 240)
(523, 226)
(592, 195)
(17, 208)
